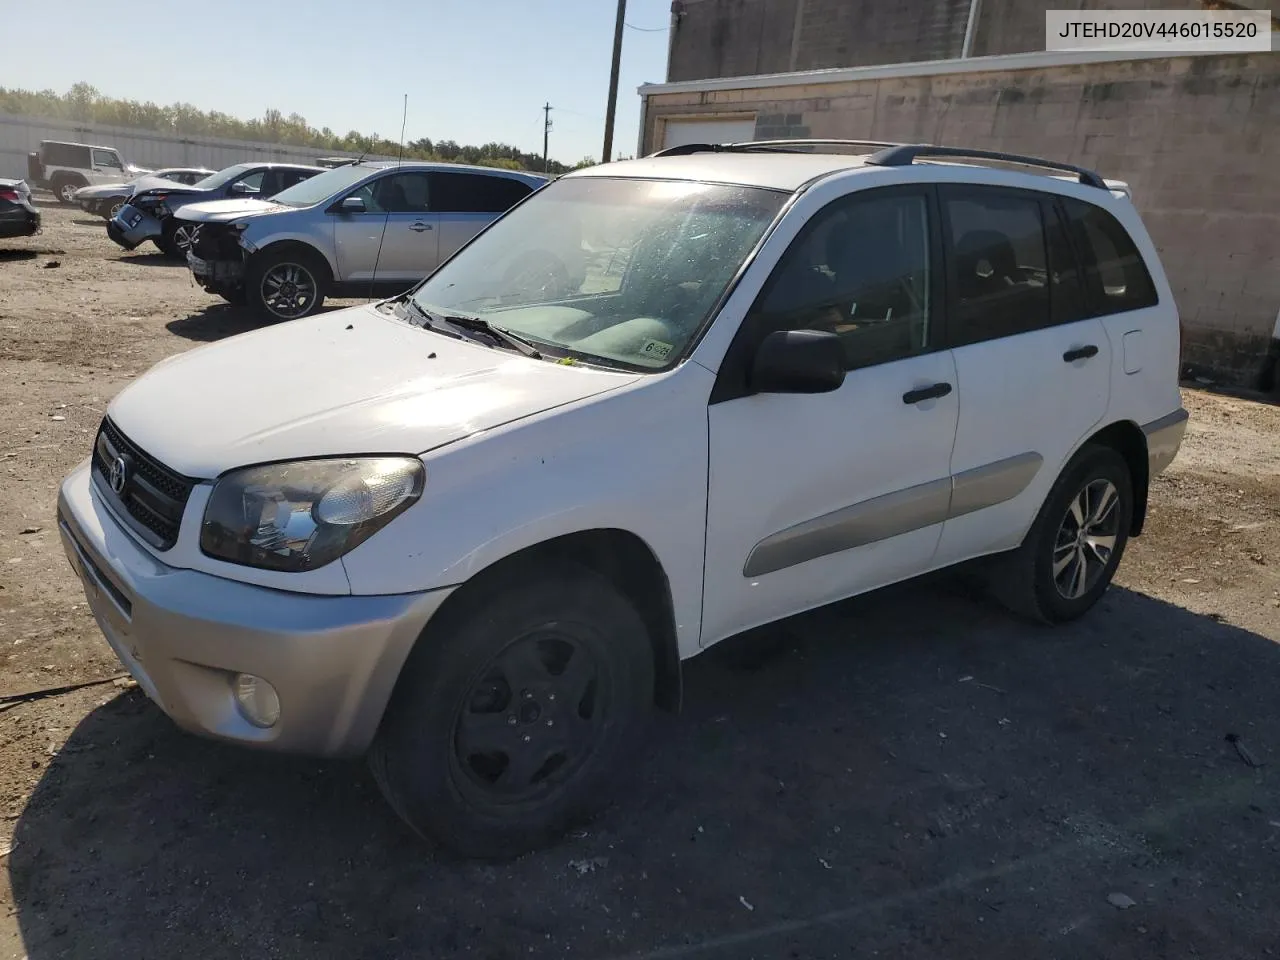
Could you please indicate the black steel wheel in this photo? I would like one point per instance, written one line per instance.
(516, 712)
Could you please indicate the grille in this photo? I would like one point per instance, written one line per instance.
(153, 497)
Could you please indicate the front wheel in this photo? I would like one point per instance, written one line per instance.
(1070, 554)
(175, 239)
(286, 284)
(514, 716)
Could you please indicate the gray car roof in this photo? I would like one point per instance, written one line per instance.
(776, 171)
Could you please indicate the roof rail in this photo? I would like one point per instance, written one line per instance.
(766, 146)
(905, 155)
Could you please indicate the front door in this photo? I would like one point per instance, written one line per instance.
(396, 238)
(1033, 368)
(817, 497)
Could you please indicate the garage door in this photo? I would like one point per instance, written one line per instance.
(679, 132)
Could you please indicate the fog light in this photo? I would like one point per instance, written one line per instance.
(257, 700)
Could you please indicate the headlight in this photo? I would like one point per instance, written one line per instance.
(302, 515)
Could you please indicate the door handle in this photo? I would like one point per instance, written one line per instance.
(1080, 353)
(932, 392)
(419, 226)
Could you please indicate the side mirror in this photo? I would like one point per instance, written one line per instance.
(241, 188)
(798, 361)
(353, 205)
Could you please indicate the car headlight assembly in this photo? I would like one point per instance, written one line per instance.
(299, 516)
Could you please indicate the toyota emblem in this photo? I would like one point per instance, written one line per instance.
(118, 475)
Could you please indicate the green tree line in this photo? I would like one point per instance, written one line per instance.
(84, 103)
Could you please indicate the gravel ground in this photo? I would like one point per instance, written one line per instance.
(909, 774)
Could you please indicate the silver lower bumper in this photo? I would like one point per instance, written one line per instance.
(183, 635)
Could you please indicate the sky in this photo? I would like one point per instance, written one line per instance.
(474, 70)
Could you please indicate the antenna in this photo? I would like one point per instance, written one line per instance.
(373, 277)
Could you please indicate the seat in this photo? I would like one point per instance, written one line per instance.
(392, 197)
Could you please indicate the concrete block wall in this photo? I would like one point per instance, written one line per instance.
(1198, 138)
(734, 38)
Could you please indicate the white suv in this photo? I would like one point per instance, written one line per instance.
(475, 529)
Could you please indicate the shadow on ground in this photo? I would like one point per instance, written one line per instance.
(912, 773)
(7, 256)
(151, 260)
(220, 320)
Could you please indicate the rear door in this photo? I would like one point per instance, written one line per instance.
(1032, 367)
(468, 202)
(395, 239)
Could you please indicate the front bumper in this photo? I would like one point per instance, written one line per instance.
(216, 274)
(1164, 437)
(183, 635)
(132, 227)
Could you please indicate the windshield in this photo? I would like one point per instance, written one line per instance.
(626, 270)
(323, 186)
(215, 180)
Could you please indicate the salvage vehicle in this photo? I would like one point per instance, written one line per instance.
(473, 530)
(107, 200)
(149, 214)
(356, 230)
(64, 168)
(19, 217)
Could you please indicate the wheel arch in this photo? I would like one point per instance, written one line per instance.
(1127, 439)
(293, 244)
(625, 560)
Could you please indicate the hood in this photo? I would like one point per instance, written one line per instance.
(221, 211)
(169, 188)
(156, 183)
(102, 190)
(349, 382)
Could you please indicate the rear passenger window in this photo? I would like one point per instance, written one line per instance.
(999, 264)
(861, 269)
(1115, 276)
(475, 193)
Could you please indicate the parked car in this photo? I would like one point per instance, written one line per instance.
(64, 168)
(474, 529)
(19, 217)
(353, 231)
(149, 214)
(107, 200)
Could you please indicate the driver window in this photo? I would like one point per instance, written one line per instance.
(253, 182)
(860, 269)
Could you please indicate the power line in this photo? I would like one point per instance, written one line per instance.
(632, 26)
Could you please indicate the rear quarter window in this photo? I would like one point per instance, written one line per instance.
(1116, 278)
(475, 193)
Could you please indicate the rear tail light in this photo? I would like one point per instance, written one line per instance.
(9, 194)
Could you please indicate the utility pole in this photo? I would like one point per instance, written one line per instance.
(546, 133)
(607, 152)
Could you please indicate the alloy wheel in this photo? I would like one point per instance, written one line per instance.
(1086, 539)
(67, 192)
(288, 290)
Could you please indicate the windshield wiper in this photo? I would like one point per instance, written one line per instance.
(481, 325)
(425, 318)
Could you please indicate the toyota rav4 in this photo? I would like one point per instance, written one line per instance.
(472, 531)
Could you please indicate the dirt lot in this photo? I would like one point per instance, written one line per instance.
(912, 774)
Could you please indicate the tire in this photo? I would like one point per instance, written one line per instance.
(65, 187)
(173, 240)
(482, 792)
(111, 207)
(293, 264)
(1024, 580)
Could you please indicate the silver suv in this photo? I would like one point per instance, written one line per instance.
(363, 229)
